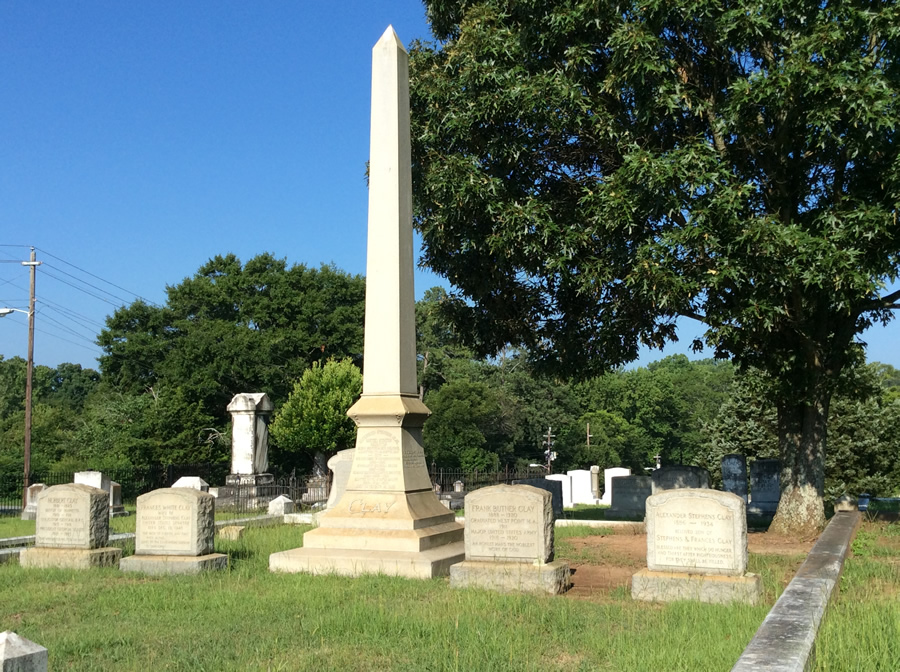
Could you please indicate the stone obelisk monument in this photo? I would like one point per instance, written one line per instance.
(389, 519)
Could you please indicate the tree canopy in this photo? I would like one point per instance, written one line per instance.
(588, 172)
(232, 328)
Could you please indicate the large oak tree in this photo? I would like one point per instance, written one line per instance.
(588, 172)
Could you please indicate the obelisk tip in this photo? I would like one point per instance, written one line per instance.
(390, 37)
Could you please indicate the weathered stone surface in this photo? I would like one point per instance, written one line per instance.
(426, 564)
(175, 521)
(566, 482)
(18, 654)
(786, 639)
(231, 532)
(553, 487)
(595, 481)
(69, 558)
(388, 519)
(95, 479)
(174, 564)
(650, 586)
(72, 516)
(31, 493)
(765, 486)
(512, 577)
(250, 432)
(281, 505)
(629, 494)
(608, 475)
(339, 464)
(845, 503)
(678, 476)
(734, 475)
(699, 531)
(193, 482)
(512, 523)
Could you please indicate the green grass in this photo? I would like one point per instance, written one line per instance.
(249, 619)
(861, 630)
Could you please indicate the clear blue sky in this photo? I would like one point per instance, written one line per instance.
(139, 139)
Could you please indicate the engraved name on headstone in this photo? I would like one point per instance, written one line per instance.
(697, 530)
(175, 521)
(72, 516)
(513, 523)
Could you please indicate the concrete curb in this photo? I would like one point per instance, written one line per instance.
(786, 639)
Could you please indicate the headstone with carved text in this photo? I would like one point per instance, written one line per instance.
(696, 549)
(175, 533)
(509, 542)
(71, 529)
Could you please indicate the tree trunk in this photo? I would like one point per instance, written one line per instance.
(802, 438)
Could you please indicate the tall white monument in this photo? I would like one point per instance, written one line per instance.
(388, 520)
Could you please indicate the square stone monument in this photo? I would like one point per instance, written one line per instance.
(629, 493)
(582, 492)
(18, 654)
(388, 520)
(31, 494)
(696, 549)
(509, 542)
(248, 486)
(608, 475)
(175, 533)
(566, 482)
(72, 529)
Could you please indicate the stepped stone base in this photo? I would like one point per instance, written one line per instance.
(649, 586)
(512, 577)
(349, 562)
(174, 564)
(70, 558)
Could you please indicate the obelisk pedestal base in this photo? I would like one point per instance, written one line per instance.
(351, 562)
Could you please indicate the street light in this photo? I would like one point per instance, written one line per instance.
(29, 369)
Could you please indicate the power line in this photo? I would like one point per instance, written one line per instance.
(74, 277)
(80, 289)
(112, 284)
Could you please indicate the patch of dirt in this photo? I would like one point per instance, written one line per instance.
(604, 564)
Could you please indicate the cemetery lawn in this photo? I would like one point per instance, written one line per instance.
(250, 619)
(862, 627)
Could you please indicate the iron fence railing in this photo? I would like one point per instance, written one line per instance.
(306, 491)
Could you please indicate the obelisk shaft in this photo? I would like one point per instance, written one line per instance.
(388, 519)
(390, 340)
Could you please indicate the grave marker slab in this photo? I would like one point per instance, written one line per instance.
(553, 487)
(765, 487)
(734, 475)
(629, 493)
(71, 529)
(696, 549)
(566, 482)
(175, 533)
(582, 492)
(678, 476)
(31, 493)
(608, 475)
(509, 542)
(18, 654)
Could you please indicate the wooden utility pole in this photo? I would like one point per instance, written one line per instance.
(29, 373)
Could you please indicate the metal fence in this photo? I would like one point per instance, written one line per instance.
(306, 491)
(473, 480)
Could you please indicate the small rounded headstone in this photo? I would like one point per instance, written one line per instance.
(845, 503)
